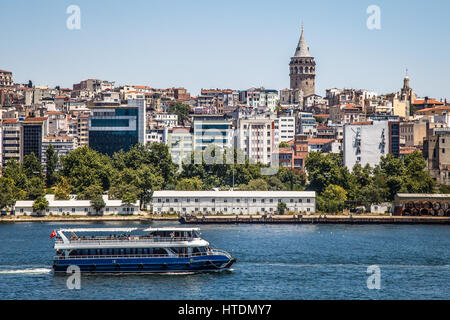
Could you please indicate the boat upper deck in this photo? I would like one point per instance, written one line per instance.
(123, 238)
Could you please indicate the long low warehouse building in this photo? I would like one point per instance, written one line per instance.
(76, 207)
(233, 202)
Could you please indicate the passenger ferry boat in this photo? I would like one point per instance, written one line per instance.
(136, 250)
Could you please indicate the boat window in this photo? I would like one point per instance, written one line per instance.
(159, 251)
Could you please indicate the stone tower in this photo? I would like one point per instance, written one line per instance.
(303, 68)
(407, 93)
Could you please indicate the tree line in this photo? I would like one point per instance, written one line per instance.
(135, 174)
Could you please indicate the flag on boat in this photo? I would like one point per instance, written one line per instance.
(53, 234)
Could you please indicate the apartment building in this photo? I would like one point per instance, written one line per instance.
(34, 129)
(212, 130)
(180, 142)
(62, 144)
(256, 139)
(6, 78)
(436, 149)
(284, 129)
(307, 124)
(11, 140)
(366, 142)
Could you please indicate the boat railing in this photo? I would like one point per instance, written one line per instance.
(178, 255)
(127, 240)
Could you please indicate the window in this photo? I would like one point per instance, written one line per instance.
(308, 200)
(196, 200)
(254, 200)
(176, 200)
(73, 209)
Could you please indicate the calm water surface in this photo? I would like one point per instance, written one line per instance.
(274, 262)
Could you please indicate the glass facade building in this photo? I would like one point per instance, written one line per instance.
(115, 128)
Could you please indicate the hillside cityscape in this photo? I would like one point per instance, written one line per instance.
(123, 149)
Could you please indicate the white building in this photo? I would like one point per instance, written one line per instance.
(233, 202)
(62, 145)
(165, 119)
(212, 130)
(76, 207)
(307, 124)
(284, 129)
(365, 143)
(256, 139)
(156, 135)
(180, 145)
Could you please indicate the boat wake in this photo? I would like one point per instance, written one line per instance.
(26, 271)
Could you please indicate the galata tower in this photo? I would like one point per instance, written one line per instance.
(302, 69)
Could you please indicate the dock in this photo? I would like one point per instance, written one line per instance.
(317, 219)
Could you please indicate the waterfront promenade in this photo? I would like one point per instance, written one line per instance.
(242, 219)
(316, 219)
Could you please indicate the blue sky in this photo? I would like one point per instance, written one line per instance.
(227, 44)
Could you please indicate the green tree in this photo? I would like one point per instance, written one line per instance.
(7, 194)
(62, 189)
(35, 188)
(324, 170)
(129, 198)
(275, 184)
(91, 192)
(32, 166)
(319, 120)
(333, 199)
(85, 167)
(51, 164)
(284, 144)
(14, 171)
(190, 184)
(254, 185)
(40, 205)
(281, 207)
(161, 160)
(97, 203)
(417, 179)
(181, 110)
(293, 179)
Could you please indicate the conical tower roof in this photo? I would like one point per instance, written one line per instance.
(302, 50)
